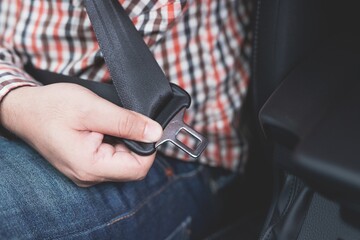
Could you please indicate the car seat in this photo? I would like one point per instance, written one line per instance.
(306, 72)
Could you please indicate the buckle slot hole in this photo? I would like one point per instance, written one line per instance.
(188, 139)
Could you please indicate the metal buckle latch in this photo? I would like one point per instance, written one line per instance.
(174, 127)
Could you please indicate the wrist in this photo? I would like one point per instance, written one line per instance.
(13, 105)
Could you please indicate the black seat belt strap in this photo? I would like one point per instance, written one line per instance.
(139, 81)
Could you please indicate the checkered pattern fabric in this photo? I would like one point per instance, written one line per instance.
(201, 45)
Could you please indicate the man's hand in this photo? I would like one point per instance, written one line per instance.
(66, 123)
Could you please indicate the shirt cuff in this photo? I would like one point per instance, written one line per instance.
(16, 83)
(11, 78)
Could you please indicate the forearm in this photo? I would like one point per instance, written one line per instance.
(11, 78)
(12, 74)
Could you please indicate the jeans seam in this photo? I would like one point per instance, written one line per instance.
(184, 224)
(163, 188)
(136, 209)
(163, 164)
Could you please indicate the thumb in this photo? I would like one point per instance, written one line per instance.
(107, 118)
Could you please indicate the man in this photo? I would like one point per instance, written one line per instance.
(201, 45)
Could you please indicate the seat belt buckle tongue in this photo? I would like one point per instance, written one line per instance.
(174, 128)
(170, 117)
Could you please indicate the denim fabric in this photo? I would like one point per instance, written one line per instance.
(38, 202)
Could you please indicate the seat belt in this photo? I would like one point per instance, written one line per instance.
(139, 84)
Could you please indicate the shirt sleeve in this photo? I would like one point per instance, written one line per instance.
(12, 74)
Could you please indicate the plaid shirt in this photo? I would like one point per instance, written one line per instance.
(201, 45)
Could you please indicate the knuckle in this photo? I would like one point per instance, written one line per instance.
(141, 174)
(139, 177)
(126, 125)
(82, 185)
(84, 177)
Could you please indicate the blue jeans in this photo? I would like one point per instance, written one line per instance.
(175, 200)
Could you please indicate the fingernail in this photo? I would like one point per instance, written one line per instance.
(153, 132)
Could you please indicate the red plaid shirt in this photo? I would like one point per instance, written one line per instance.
(201, 45)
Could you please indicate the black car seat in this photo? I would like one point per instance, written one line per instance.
(306, 72)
